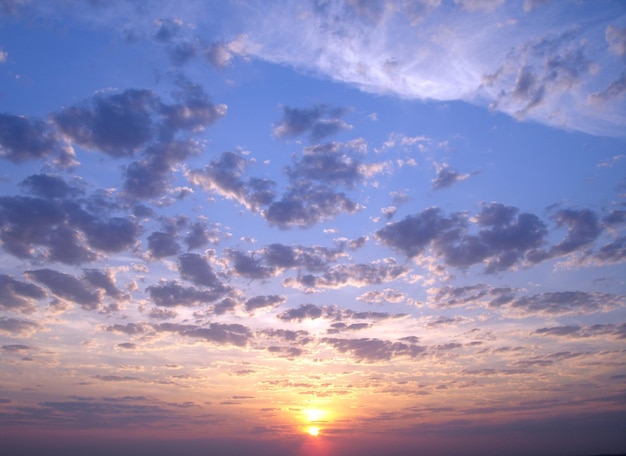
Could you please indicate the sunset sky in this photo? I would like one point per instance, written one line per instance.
(320, 227)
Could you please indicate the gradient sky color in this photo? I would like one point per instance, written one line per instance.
(313, 227)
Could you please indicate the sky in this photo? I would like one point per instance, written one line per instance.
(313, 227)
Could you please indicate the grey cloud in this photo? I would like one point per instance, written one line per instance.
(285, 352)
(17, 348)
(150, 177)
(574, 331)
(104, 280)
(199, 235)
(305, 205)
(613, 252)
(130, 329)
(118, 125)
(336, 328)
(287, 335)
(566, 303)
(28, 223)
(226, 334)
(17, 327)
(226, 305)
(265, 301)
(219, 55)
(172, 294)
(387, 295)
(373, 350)
(616, 38)
(224, 176)
(613, 91)
(333, 163)
(303, 312)
(198, 271)
(319, 121)
(353, 275)
(504, 239)
(66, 286)
(48, 186)
(128, 346)
(249, 266)
(22, 139)
(163, 244)
(312, 258)
(18, 296)
(446, 177)
(545, 68)
(168, 29)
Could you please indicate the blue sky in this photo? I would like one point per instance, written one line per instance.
(325, 227)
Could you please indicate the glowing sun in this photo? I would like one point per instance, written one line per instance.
(314, 414)
(313, 430)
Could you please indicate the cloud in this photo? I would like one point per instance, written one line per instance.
(319, 121)
(163, 244)
(387, 295)
(66, 286)
(48, 186)
(173, 294)
(305, 205)
(356, 275)
(264, 302)
(220, 333)
(17, 327)
(374, 350)
(224, 177)
(18, 296)
(22, 139)
(60, 228)
(515, 303)
(576, 332)
(119, 125)
(446, 177)
(198, 271)
(505, 238)
(331, 163)
(303, 312)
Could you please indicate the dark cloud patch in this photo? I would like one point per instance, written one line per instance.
(613, 92)
(163, 244)
(305, 205)
(48, 186)
(223, 334)
(567, 302)
(199, 235)
(225, 177)
(226, 305)
(583, 228)
(248, 265)
(504, 240)
(446, 177)
(332, 163)
(18, 296)
(303, 312)
(17, 348)
(167, 30)
(374, 350)
(150, 177)
(104, 280)
(172, 294)
(613, 252)
(17, 327)
(314, 258)
(544, 69)
(66, 286)
(56, 231)
(264, 302)
(197, 270)
(336, 328)
(192, 111)
(319, 121)
(22, 139)
(300, 336)
(285, 352)
(575, 332)
(129, 329)
(357, 275)
(118, 124)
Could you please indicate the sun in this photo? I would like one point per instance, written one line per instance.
(313, 415)
(313, 430)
